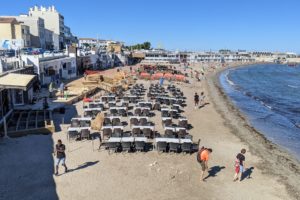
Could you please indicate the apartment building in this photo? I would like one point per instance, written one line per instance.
(37, 30)
(53, 21)
(87, 42)
(13, 34)
(69, 38)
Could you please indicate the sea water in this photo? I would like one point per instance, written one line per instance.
(269, 95)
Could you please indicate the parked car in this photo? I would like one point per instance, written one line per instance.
(37, 51)
(26, 51)
(47, 53)
(9, 53)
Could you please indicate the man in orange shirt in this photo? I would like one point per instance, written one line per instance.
(204, 157)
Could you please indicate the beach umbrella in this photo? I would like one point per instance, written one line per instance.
(159, 75)
(145, 75)
(86, 100)
(179, 77)
(168, 75)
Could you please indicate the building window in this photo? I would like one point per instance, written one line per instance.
(18, 97)
(50, 71)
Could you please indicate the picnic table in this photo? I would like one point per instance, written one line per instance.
(144, 127)
(139, 117)
(78, 129)
(118, 108)
(112, 127)
(113, 117)
(82, 118)
(127, 139)
(92, 109)
(173, 140)
(114, 139)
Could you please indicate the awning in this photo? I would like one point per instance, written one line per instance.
(17, 81)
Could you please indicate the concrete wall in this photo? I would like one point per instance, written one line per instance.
(6, 31)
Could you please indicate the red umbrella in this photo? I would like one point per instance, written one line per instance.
(86, 100)
(145, 75)
(158, 75)
(179, 77)
(168, 75)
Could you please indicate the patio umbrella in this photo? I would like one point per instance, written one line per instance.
(86, 100)
(179, 77)
(145, 75)
(168, 75)
(158, 75)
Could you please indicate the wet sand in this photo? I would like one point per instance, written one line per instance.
(96, 174)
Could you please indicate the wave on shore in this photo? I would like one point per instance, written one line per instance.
(265, 96)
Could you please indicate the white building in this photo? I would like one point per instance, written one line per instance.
(161, 56)
(53, 21)
(222, 57)
(37, 30)
(52, 68)
(87, 41)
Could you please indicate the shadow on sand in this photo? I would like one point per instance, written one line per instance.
(247, 173)
(27, 168)
(203, 105)
(83, 166)
(213, 171)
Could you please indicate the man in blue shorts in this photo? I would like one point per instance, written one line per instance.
(60, 156)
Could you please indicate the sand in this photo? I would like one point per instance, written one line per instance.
(27, 162)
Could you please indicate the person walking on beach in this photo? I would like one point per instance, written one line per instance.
(196, 100)
(50, 90)
(197, 76)
(201, 99)
(61, 88)
(239, 165)
(60, 156)
(203, 157)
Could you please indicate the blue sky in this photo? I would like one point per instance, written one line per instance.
(181, 24)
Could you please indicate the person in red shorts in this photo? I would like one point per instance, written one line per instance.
(239, 165)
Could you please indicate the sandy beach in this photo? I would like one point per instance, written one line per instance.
(27, 163)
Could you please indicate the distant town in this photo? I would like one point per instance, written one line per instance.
(41, 44)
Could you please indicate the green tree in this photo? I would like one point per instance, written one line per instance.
(145, 45)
